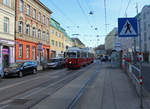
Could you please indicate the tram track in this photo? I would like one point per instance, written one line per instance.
(52, 83)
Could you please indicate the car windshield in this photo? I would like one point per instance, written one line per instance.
(53, 60)
(71, 55)
(15, 65)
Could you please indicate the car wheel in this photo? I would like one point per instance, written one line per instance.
(34, 71)
(20, 74)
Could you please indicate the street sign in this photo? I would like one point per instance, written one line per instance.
(127, 27)
(40, 46)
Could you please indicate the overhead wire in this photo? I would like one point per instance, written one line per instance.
(127, 8)
(84, 13)
(105, 15)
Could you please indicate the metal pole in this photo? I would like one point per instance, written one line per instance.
(135, 50)
(140, 75)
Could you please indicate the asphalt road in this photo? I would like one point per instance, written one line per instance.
(34, 88)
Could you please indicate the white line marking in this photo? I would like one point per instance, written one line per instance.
(19, 83)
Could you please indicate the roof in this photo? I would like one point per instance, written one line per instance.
(41, 4)
(57, 26)
(78, 41)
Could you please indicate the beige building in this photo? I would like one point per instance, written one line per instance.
(32, 31)
(7, 42)
(111, 39)
(77, 43)
(67, 41)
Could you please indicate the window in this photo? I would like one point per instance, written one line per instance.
(53, 31)
(59, 35)
(28, 29)
(56, 44)
(28, 10)
(20, 27)
(33, 53)
(48, 37)
(145, 26)
(21, 6)
(33, 32)
(39, 33)
(62, 36)
(47, 21)
(34, 13)
(39, 18)
(20, 50)
(43, 35)
(53, 42)
(28, 51)
(43, 19)
(6, 2)
(59, 44)
(56, 33)
(6, 24)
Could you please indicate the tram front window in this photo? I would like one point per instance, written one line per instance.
(71, 55)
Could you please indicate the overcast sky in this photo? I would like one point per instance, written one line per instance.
(74, 17)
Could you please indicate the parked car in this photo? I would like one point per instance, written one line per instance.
(44, 64)
(56, 63)
(20, 69)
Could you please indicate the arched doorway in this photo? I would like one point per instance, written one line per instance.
(5, 56)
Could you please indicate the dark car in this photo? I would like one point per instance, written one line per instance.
(44, 64)
(56, 63)
(20, 69)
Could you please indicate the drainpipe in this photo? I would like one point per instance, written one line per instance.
(15, 28)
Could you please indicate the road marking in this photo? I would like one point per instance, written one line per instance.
(10, 100)
(25, 81)
(82, 90)
(5, 103)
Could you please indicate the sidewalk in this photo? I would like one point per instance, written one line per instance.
(111, 89)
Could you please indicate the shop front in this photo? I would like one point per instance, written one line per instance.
(7, 53)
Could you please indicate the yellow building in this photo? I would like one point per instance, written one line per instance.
(56, 39)
(67, 41)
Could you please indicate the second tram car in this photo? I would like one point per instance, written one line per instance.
(76, 57)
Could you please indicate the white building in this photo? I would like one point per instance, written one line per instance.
(113, 42)
(111, 39)
(145, 28)
(7, 39)
(144, 17)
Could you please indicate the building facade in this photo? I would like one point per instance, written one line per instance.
(32, 31)
(113, 42)
(77, 43)
(111, 39)
(145, 28)
(57, 39)
(7, 39)
(67, 41)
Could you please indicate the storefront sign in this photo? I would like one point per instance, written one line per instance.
(5, 51)
(4, 42)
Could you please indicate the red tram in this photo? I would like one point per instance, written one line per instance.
(76, 57)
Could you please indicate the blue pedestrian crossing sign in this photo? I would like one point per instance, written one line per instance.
(127, 27)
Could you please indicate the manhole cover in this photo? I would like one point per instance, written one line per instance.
(19, 101)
